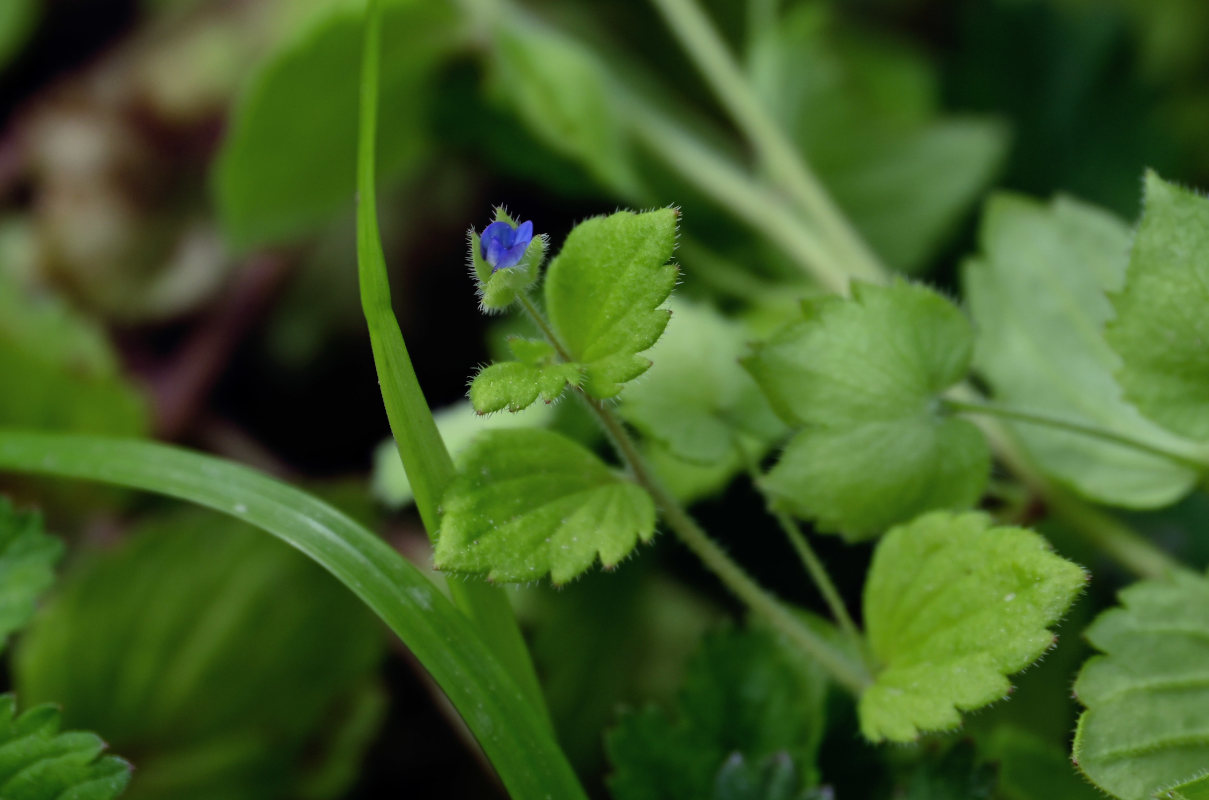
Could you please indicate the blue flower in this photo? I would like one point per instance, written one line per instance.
(503, 246)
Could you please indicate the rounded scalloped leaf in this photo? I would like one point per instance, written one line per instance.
(953, 606)
(1146, 727)
(861, 379)
(529, 502)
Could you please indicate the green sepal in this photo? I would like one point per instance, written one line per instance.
(861, 380)
(500, 289)
(530, 502)
(952, 606)
(604, 290)
(37, 762)
(1161, 325)
(1146, 727)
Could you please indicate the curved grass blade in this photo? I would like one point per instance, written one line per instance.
(425, 459)
(514, 734)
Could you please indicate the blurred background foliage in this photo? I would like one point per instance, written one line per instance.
(176, 260)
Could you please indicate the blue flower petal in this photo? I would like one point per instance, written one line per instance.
(503, 246)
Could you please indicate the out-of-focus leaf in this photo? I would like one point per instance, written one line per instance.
(1039, 302)
(37, 762)
(1032, 769)
(957, 775)
(289, 161)
(216, 654)
(27, 559)
(865, 113)
(17, 19)
(746, 692)
(59, 371)
(1146, 727)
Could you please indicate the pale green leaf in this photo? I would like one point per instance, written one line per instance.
(952, 606)
(515, 386)
(531, 502)
(1037, 296)
(199, 637)
(865, 111)
(288, 163)
(37, 762)
(604, 291)
(459, 425)
(861, 379)
(747, 693)
(27, 559)
(1161, 323)
(697, 398)
(1146, 727)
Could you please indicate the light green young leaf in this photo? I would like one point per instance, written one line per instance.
(500, 289)
(289, 161)
(1037, 296)
(200, 637)
(1146, 727)
(530, 502)
(861, 378)
(27, 560)
(1161, 324)
(697, 398)
(746, 693)
(952, 606)
(865, 111)
(59, 370)
(604, 291)
(37, 762)
(459, 425)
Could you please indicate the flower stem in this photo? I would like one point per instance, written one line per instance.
(810, 559)
(854, 677)
(780, 157)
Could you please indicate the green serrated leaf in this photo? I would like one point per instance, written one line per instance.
(37, 762)
(604, 290)
(1037, 296)
(531, 502)
(516, 386)
(500, 289)
(697, 398)
(221, 657)
(27, 560)
(952, 606)
(301, 108)
(1161, 324)
(1146, 727)
(745, 692)
(861, 379)
(1197, 789)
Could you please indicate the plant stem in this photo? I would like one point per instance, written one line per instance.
(778, 154)
(1194, 458)
(810, 559)
(852, 676)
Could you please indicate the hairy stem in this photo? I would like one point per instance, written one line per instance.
(780, 157)
(852, 676)
(810, 559)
